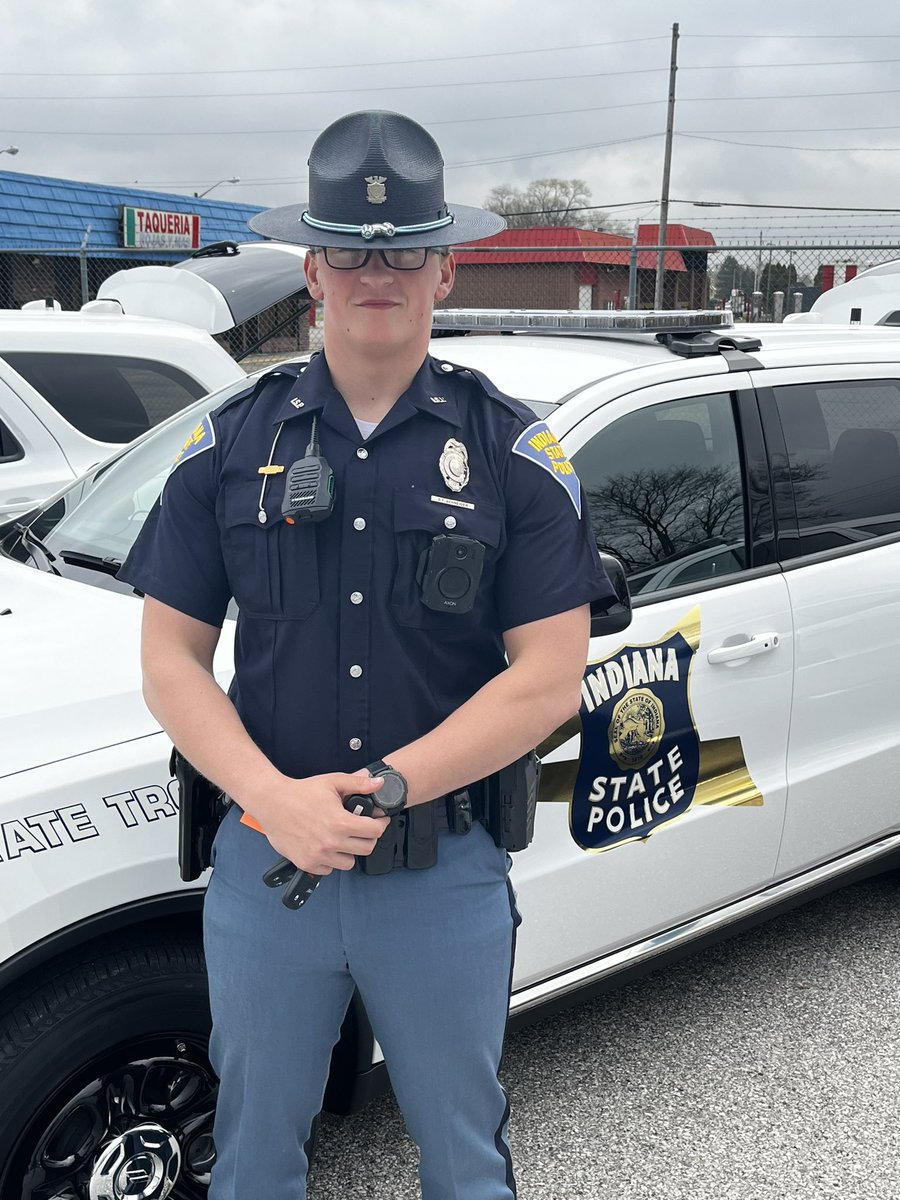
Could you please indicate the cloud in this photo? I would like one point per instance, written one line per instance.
(189, 130)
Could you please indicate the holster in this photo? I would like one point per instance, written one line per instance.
(200, 811)
(511, 802)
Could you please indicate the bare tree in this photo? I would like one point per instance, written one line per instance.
(548, 202)
(650, 516)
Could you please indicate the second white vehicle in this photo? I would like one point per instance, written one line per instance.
(74, 386)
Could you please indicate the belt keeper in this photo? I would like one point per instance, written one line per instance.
(460, 817)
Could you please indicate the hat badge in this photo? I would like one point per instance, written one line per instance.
(375, 190)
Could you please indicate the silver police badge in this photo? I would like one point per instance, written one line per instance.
(454, 464)
(375, 191)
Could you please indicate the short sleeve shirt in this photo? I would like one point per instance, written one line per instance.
(337, 659)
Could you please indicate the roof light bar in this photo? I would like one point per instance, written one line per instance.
(507, 320)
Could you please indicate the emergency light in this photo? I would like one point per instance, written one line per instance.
(510, 320)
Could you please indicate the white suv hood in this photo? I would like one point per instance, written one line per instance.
(70, 679)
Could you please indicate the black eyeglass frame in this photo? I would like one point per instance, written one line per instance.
(368, 251)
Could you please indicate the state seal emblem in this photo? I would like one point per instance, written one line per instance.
(375, 189)
(643, 763)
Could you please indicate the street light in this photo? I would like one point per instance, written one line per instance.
(10, 150)
(199, 195)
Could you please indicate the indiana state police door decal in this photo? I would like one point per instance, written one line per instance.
(643, 763)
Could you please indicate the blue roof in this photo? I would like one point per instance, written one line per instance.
(41, 213)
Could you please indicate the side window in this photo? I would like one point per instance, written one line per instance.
(10, 450)
(107, 397)
(844, 459)
(665, 492)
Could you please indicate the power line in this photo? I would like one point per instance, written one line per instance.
(793, 37)
(480, 162)
(372, 87)
(355, 66)
(800, 207)
(131, 133)
(843, 62)
(116, 99)
(811, 129)
(706, 203)
(777, 146)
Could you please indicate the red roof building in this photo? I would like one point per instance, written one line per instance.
(576, 268)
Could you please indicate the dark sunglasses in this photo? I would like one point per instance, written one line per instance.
(410, 258)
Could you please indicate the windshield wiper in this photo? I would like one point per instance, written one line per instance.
(31, 539)
(91, 562)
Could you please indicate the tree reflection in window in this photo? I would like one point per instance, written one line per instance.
(665, 493)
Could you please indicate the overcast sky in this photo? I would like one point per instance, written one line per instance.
(179, 94)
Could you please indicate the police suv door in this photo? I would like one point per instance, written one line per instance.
(665, 798)
(833, 437)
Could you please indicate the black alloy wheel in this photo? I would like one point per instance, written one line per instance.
(105, 1080)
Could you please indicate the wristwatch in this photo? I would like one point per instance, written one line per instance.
(391, 796)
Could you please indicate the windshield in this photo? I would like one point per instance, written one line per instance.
(86, 531)
(101, 515)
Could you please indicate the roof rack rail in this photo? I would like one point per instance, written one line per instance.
(517, 320)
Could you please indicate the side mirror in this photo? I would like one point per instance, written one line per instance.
(616, 616)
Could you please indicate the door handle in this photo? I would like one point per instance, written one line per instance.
(758, 643)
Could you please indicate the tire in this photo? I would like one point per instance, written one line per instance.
(95, 1052)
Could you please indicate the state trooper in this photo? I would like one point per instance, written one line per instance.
(365, 666)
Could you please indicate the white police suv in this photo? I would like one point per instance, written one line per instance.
(736, 751)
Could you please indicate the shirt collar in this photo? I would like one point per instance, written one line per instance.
(432, 391)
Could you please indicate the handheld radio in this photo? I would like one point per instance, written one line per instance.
(309, 486)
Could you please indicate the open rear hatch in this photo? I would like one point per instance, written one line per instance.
(217, 288)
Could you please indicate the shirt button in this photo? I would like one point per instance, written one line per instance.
(446, 367)
(356, 671)
(359, 522)
(362, 452)
(449, 522)
(355, 744)
(356, 597)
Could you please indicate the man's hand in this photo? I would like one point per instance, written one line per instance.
(306, 822)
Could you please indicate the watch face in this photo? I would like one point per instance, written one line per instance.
(391, 796)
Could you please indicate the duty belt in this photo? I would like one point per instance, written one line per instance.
(410, 839)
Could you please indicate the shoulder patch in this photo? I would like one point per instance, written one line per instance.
(203, 437)
(539, 445)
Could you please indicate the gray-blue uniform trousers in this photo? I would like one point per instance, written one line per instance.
(337, 663)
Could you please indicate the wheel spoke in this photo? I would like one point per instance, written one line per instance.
(176, 1093)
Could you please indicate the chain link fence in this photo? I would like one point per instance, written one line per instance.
(759, 281)
(71, 278)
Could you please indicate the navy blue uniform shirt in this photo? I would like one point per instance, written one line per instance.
(337, 660)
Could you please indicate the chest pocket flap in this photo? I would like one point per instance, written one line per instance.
(272, 567)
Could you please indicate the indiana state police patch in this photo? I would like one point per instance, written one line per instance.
(203, 437)
(643, 763)
(540, 445)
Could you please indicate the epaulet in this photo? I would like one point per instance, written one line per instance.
(516, 407)
(289, 373)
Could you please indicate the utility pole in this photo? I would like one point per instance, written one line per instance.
(667, 168)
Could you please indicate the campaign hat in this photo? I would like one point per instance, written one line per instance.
(376, 179)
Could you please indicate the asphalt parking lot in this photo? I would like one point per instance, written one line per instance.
(766, 1068)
